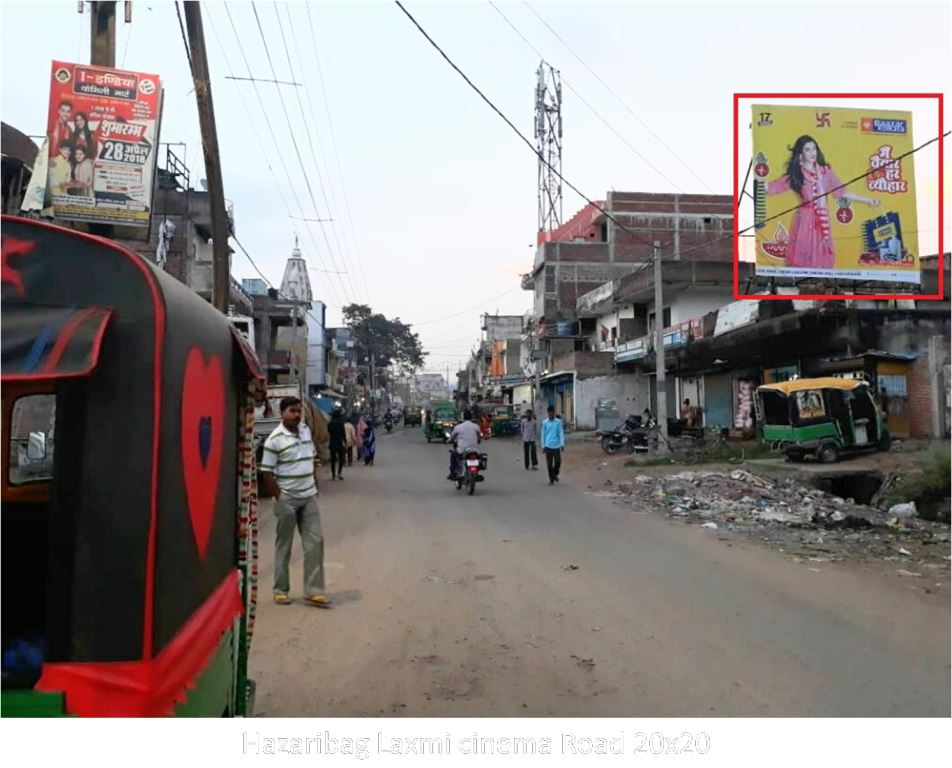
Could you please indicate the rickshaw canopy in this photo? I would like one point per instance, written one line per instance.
(825, 382)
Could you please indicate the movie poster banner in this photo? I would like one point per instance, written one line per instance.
(866, 230)
(103, 132)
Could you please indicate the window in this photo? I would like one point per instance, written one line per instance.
(31, 439)
(665, 318)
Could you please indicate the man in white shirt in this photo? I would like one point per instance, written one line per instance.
(289, 467)
(467, 437)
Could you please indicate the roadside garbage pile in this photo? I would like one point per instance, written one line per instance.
(795, 518)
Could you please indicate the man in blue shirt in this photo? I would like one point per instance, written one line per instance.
(553, 441)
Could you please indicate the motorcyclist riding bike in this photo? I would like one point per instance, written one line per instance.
(466, 437)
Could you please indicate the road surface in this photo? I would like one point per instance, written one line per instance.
(529, 600)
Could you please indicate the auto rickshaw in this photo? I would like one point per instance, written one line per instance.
(442, 419)
(824, 418)
(129, 512)
(412, 417)
(505, 421)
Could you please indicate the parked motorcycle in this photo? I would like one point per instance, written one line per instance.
(632, 435)
(468, 468)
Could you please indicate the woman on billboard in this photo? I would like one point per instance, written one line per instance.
(83, 135)
(811, 177)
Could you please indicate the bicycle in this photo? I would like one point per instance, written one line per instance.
(704, 448)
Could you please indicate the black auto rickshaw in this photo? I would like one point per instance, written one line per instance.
(129, 494)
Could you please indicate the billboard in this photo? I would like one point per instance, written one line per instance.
(102, 134)
(831, 199)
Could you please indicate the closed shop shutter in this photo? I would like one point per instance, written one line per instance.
(717, 401)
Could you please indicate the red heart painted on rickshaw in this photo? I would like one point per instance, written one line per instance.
(203, 422)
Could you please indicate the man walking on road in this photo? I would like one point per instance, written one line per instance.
(553, 441)
(530, 434)
(289, 467)
(350, 440)
(338, 435)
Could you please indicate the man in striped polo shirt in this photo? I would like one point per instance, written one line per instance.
(289, 467)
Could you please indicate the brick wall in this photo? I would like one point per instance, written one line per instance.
(920, 398)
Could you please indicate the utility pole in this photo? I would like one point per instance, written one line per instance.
(102, 34)
(662, 392)
(216, 192)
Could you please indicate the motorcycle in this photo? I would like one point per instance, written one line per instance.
(388, 422)
(633, 435)
(468, 468)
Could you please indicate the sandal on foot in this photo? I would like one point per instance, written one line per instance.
(282, 599)
(318, 601)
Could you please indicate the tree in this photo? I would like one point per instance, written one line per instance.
(387, 342)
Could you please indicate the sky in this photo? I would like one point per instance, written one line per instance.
(432, 195)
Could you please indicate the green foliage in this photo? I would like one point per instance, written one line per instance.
(928, 488)
(389, 342)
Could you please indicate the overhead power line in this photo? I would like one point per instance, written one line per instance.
(469, 309)
(340, 172)
(294, 142)
(518, 133)
(270, 284)
(274, 139)
(585, 102)
(618, 98)
(648, 262)
(309, 125)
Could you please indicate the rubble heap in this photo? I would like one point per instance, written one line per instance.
(803, 521)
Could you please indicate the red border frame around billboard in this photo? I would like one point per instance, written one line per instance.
(838, 296)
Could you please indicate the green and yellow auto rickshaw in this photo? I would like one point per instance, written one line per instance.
(439, 421)
(825, 418)
(412, 417)
(128, 486)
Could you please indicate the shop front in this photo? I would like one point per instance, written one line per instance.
(558, 390)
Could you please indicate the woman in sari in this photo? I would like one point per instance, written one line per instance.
(370, 443)
(809, 175)
(361, 431)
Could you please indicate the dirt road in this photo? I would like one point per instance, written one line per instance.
(530, 600)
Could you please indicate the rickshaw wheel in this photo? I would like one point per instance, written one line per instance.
(885, 443)
(828, 454)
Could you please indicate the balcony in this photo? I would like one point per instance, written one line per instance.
(584, 363)
(279, 358)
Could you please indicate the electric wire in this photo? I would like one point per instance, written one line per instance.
(270, 284)
(188, 51)
(320, 176)
(277, 151)
(585, 102)
(526, 141)
(469, 309)
(294, 143)
(618, 98)
(741, 232)
(340, 172)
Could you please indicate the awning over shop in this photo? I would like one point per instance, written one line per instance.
(51, 342)
(558, 377)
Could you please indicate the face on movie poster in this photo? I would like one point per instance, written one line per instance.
(806, 159)
(103, 131)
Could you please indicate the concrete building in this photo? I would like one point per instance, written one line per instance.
(593, 288)
(18, 155)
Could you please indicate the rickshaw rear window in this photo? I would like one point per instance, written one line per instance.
(32, 431)
(775, 407)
